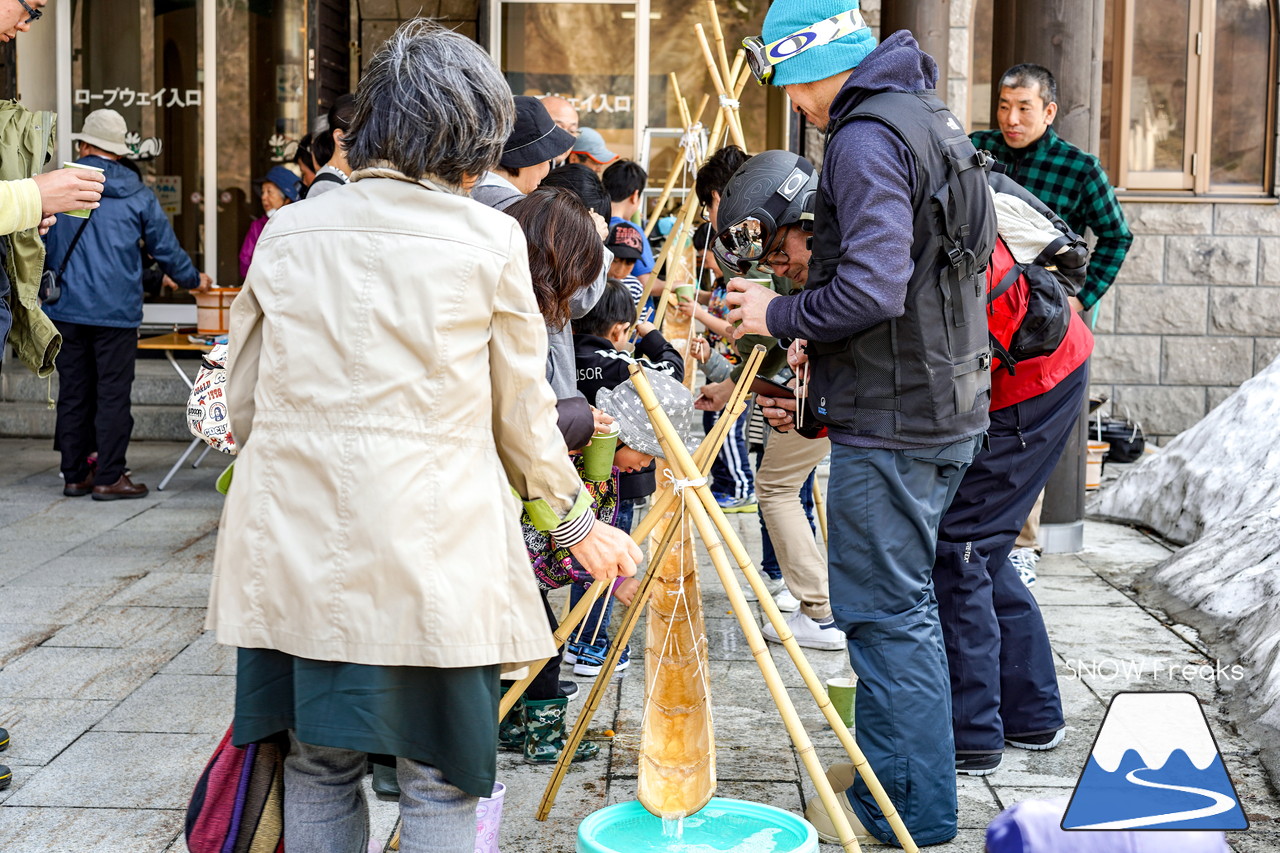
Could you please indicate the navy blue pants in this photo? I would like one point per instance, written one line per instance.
(884, 507)
(731, 472)
(1002, 668)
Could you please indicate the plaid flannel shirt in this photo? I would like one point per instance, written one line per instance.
(1074, 186)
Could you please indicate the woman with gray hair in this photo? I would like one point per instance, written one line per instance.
(386, 385)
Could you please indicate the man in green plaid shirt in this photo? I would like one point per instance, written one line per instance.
(1068, 180)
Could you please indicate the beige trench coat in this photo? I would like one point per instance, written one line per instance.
(387, 387)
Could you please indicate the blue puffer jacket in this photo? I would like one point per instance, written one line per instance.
(102, 285)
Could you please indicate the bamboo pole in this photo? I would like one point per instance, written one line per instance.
(816, 688)
(678, 458)
(723, 88)
(680, 168)
(710, 447)
(560, 635)
(705, 456)
(718, 35)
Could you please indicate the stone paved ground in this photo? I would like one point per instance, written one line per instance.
(115, 696)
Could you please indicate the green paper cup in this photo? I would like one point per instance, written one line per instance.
(84, 212)
(686, 292)
(597, 458)
(224, 479)
(763, 282)
(842, 692)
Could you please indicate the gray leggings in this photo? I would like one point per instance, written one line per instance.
(325, 809)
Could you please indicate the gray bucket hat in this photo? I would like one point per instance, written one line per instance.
(104, 129)
(623, 404)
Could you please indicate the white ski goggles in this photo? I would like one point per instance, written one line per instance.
(761, 57)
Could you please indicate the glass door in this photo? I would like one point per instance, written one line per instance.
(583, 52)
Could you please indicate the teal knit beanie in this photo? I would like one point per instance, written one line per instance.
(817, 63)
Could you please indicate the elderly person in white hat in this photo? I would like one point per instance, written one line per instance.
(100, 310)
(386, 385)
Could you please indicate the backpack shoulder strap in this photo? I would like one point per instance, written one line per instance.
(1010, 278)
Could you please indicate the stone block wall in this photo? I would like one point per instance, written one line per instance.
(1194, 313)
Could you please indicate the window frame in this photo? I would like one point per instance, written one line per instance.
(1195, 177)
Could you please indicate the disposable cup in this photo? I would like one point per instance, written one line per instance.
(82, 213)
(597, 458)
(842, 692)
(686, 292)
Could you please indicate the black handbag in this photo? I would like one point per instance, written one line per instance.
(50, 281)
(1125, 437)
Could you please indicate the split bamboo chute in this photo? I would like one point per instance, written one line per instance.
(663, 504)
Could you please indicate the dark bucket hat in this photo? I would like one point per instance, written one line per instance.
(535, 138)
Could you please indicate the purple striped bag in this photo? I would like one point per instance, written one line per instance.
(238, 803)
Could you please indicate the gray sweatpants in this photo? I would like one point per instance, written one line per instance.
(325, 809)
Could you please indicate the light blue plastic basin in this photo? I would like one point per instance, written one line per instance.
(721, 825)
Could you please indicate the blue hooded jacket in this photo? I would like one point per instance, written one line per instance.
(102, 285)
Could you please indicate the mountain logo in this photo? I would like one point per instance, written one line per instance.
(1155, 765)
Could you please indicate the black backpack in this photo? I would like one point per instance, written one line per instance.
(1055, 274)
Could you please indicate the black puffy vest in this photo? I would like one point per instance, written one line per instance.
(922, 378)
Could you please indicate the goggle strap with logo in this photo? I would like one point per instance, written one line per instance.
(762, 57)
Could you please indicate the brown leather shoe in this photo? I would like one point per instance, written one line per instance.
(79, 490)
(120, 489)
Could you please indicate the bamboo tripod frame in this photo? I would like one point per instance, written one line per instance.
(704, 510)
(707, 453)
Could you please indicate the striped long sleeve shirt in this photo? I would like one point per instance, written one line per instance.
(1073, 185)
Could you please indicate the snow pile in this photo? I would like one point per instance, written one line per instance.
(1217, 487)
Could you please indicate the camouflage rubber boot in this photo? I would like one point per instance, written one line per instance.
(544, 732)
(511, 729)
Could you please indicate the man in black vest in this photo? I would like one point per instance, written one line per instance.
(892, 313)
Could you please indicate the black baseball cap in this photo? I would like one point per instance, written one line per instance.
(535, 138)
(625, 241)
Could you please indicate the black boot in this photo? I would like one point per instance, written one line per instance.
(385, 784)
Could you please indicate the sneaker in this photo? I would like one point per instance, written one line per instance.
(786, 602)
(589, 663)
(4, 739)
(569, 655)
(771, 584)
(6, 776)
(982, 764)
(1025, 560)
(809, 634)
(841, 778)
(746, 503)
(1038, 742)
(568, 689)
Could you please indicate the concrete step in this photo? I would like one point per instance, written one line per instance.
(159, 401)
(20, 419)
(155, 384)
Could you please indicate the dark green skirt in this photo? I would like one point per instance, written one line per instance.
(447, 718)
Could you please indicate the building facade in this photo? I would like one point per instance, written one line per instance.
(1178, 99)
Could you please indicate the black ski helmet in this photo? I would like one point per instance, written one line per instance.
(770, 191)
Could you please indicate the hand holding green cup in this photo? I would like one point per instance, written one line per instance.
(82, 213)
(686, 292)
(597, 457)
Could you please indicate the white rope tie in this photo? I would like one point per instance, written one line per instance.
(729, 103)
(694, 145)
(680, 485)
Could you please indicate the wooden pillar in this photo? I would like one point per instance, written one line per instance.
(1064, 36)
(930, 22)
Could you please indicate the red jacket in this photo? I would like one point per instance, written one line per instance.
(1034, 376)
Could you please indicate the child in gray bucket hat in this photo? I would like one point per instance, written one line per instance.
(623, 404)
